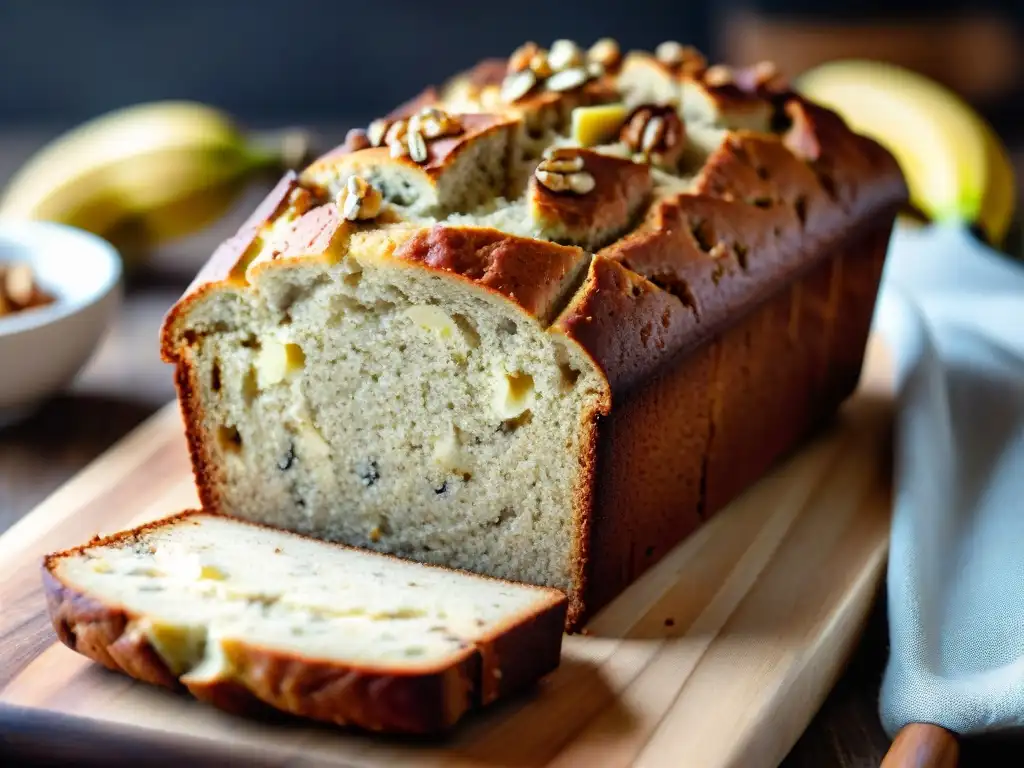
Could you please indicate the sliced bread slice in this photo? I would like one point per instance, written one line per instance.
(245, 616)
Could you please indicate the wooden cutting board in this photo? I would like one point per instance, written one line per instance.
(718, 656)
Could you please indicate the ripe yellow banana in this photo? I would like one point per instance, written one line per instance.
(956, 167)
(139, 176)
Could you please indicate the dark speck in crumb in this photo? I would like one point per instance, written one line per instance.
(286, 461)
(442, 488)
(670, 622)
(369, 473)
(277, 550)
(480, 622)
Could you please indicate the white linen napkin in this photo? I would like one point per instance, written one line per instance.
(952, 312)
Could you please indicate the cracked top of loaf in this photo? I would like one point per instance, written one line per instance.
(688, 191)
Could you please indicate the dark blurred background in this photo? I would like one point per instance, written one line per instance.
(325, 61)
(271, 59)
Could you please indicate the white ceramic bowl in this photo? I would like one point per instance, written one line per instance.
(42, 349)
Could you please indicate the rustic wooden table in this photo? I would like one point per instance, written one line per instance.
(126, 382)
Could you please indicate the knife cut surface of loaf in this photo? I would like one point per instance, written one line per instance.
(540, 322)
(246, 616)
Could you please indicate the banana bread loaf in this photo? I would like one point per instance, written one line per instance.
(540, 321)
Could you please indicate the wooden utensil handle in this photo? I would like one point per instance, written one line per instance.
(923, 745)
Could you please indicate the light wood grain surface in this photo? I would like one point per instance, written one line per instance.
(125, 383)
(722, 653)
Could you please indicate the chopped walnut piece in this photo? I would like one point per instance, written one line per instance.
(434, 123)
(606, 53)
(408, 138)
(356, 139)
(517, 85)
(396, 132)
(300, 200)
(19, 290)
(376, 131)
(417, 146)
(670, 52)
(540, 66)
(19, 284)
(564, 54)
(397, 138)
(567, 79)
(681, 58)
(655, 134)
(562, 170)
(801, 139)
(359, 200)
(563, 162)
(761, 77)
(718, 75)
(398, 149)
(522, 57)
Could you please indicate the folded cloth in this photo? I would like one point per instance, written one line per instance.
(952, 312)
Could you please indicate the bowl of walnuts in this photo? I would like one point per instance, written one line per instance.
(59, 289)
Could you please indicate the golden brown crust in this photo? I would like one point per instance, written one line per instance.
(441, 152)
(100, 632)
(228, 264)
(642, 73)
(757, 218)
(620, 188)
(531, 273)
(689, 438)
(397, 701)
(583, 505)
(853, 170)
(208, 474)
(626, 324)
(320, 233)
(513, 659)
(335, 693)
(727, 103)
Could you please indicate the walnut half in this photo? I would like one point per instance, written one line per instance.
(408, 138)
(655, 134)
(562, 170)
